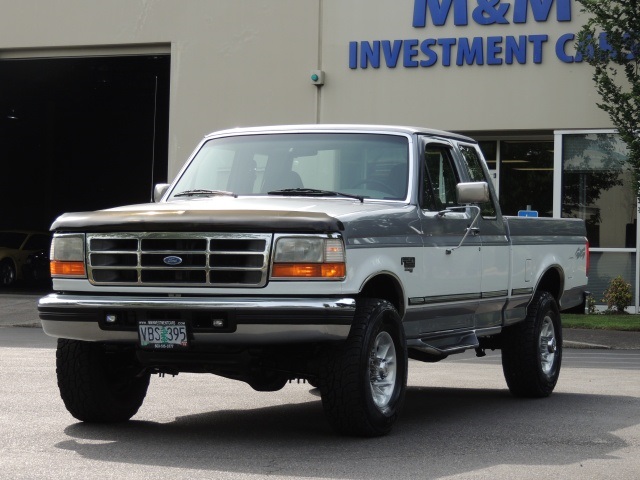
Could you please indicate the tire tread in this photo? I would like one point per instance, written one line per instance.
(520, 360)
(85, 389)
(341, 383)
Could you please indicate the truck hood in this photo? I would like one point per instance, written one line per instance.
(242, 214)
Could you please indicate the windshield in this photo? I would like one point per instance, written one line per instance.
(362, 165)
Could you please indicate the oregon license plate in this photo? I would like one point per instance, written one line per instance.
(163, 334)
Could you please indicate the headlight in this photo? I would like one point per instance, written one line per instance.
(67, 256)
(310, 258)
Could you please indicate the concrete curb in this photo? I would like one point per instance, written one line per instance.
(572, 344)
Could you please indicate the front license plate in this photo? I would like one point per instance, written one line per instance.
(163, 334)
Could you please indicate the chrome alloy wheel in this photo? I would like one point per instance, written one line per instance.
(548, 345)
(382, 370)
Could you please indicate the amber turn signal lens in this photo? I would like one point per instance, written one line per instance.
(65, 269)
(309, 270)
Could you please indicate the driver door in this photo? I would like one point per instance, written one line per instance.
(451, 283)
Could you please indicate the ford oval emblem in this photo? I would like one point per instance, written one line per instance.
(172, 260)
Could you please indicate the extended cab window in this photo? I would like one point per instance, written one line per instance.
(474, 166)
(440, 178)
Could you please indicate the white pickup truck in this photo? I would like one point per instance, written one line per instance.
(326, 253)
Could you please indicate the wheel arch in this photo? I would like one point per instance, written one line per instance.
(385, 286)
(9, 258)
(552, 281)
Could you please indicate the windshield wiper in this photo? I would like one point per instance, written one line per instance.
(204, 192)
(313, 192)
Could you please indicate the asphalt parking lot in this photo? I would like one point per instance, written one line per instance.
(459, 421)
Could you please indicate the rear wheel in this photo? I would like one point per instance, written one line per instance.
(363, 384)
(98, 383)
(532, 349)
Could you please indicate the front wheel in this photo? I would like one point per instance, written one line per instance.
(532, 349)
(99, 383)
(363, 384)
(7, 273)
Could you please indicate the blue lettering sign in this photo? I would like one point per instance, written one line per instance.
(353, 55)
(541, 10)
(370, 54)
(470, 54)
(446, 43)
(439, 12)
(515, 49)
(487, 12)
(493, 50)
(634, 48)
(479, 50)
(561, 48)
(391, 53)
(410, 52)
(605, 46)
(537, 41)
(432, 57)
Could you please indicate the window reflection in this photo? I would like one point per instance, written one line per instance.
(596, 186)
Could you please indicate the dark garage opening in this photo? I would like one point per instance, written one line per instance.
(80, 134)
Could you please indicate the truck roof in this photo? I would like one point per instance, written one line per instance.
(340, 128)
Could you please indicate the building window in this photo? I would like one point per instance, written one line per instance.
(489, 150)
(592, 182)
(526, 177)
(596, 186)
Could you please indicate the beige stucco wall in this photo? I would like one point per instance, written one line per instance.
(247, 62)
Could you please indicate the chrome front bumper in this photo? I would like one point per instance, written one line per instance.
(255, 320)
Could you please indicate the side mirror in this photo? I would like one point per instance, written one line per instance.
(159, 190)
(472, 192)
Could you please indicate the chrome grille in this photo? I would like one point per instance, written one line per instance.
(179, 259)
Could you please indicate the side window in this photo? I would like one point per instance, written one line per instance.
(440, 178)
(474, 166)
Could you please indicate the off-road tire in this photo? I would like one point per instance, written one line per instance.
(532, 349)
(99, 383)
(352, 373)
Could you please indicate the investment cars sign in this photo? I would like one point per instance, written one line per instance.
(431, 50)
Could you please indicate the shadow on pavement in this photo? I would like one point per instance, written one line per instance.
(443, 431)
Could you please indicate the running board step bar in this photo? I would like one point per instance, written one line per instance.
(443, 345)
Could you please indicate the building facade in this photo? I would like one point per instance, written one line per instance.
(505, 72)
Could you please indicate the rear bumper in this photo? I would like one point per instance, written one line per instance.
(248, 321)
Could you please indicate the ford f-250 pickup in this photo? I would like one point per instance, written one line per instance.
(325, 253)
